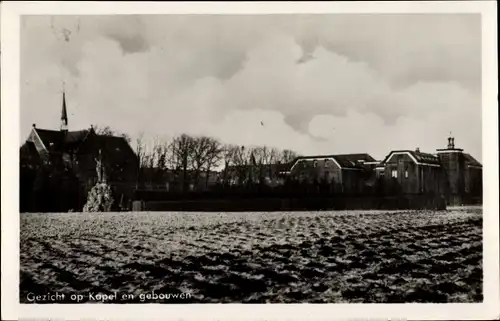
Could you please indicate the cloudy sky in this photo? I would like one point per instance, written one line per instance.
(317, 84)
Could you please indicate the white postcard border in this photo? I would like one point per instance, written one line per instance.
(11, 309)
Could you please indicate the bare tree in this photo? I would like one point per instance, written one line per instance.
(287, 156)
(199, 155)
(274, 158)
(160, 153)
(152, 157)
(206, 154)
(182, 151)
(213, 157)
(228, 155)
(258, 157)
(265, 158)
(108, 131)
(139, 150)
(242, 158)
(158, 160)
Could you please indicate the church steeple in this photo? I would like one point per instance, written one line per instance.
(64, 114)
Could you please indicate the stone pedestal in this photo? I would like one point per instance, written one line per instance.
(99, 199)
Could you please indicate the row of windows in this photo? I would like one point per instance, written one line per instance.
(394, 173)
(315, 164)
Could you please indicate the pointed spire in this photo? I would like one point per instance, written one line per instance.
(64, 114)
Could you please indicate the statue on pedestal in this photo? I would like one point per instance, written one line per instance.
(101, 174)
(100, 198)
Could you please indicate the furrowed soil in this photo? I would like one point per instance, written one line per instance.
(329, 257)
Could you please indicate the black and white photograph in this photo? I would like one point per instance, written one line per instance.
(265, 158)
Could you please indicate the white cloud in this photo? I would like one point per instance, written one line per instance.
(369, 84)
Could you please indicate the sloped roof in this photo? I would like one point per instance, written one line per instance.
(423, 158)
(76, 136)
(29, 154)
(117, 148)
(353, 160)
(57, 141)
(357, 157)
(344, 160)
(52, 139)
(471, 161)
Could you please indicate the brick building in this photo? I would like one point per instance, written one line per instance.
(451, 173)
(461, 175)
(54, 163)
(411, 172)
(454, 175)
(348, 173)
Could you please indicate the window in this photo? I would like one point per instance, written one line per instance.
(315, 164)
(327, 163)
(406, 173)
(394, 173)
(422, 182)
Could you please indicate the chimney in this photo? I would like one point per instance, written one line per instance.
(34, 125)
(417, 150)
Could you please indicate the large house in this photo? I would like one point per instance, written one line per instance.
(462, 175)
(348, 173)
(411, 172)
(450, 173)
(455, 175)
(58, 167)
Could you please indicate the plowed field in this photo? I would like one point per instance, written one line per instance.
(330, 257)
